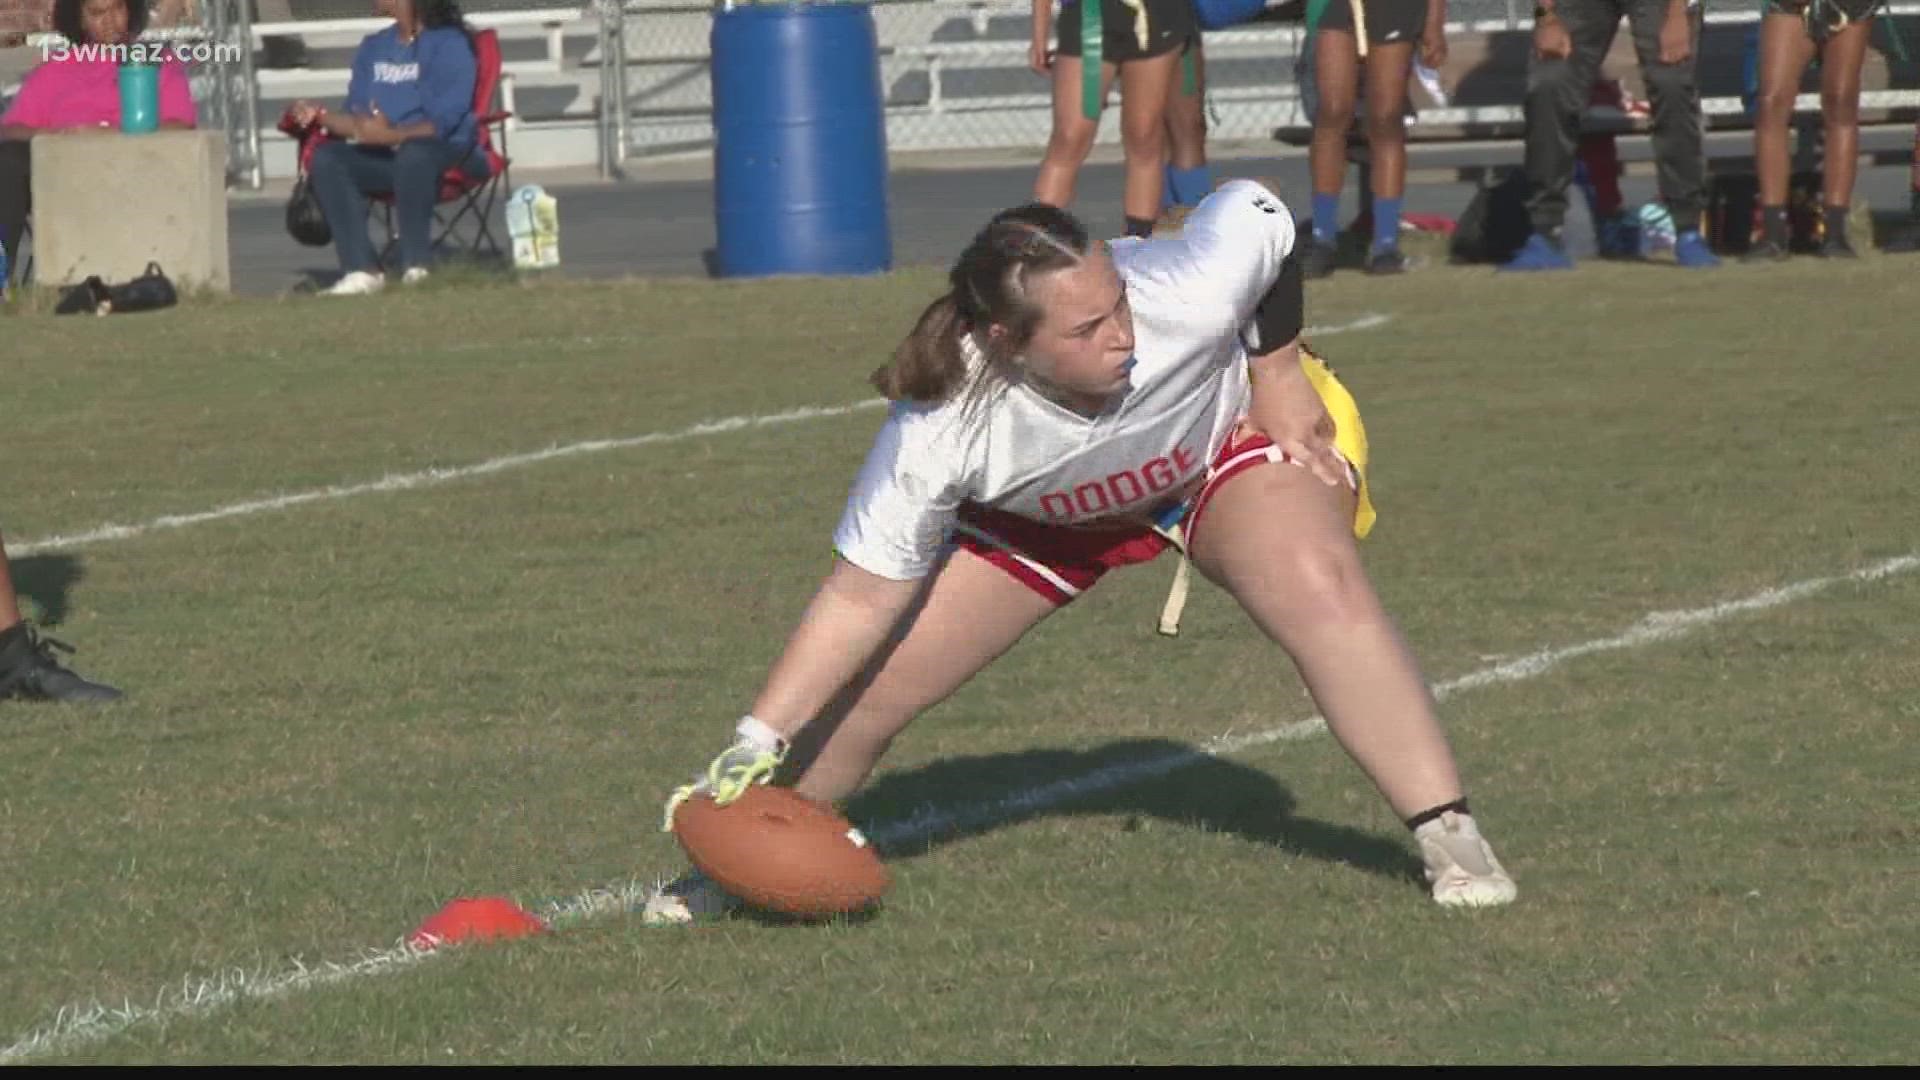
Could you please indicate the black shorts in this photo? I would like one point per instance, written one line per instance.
(1827, 15)
(1389, 22)
(1170, 27)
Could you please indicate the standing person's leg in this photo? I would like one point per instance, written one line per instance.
(1336, 79)
(1189, 178)
(1785, 50)
(1145, 85)
(1388, 68)
(1282, 544)
(1568, 48)
(1679, 146)
(1842, 55)
(1073, 132)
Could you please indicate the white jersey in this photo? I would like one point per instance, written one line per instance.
(1193, 297)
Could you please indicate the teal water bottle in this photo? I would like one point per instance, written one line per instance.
(139, 98)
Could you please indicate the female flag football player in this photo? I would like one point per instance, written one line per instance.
(1069, 407)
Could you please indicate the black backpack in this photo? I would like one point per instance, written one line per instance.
(1495, 225)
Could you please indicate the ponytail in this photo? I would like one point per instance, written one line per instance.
(928, 366)
(987, 287)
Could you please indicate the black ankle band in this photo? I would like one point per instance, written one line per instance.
(1139, 226)
(1457, 806)
(1774, 225)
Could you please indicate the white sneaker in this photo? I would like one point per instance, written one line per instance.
(358, 283)
(414, 275)
(688, 898)
(1460, 864)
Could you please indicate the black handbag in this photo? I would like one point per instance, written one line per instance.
(150, 291)
(1495, 225)
(306, 222)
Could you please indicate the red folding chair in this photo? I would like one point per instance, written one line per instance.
(471, 200)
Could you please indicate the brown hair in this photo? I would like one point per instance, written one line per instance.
(987, 286)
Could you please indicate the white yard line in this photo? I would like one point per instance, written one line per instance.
(434, 477)
(431, 477)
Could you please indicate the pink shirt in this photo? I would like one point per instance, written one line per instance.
(84, 91)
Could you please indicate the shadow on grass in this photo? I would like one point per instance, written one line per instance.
(946, 802)
(46, 582)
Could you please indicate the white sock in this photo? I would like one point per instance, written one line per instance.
(759, 734)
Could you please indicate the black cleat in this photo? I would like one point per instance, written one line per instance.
(29, 671)
(1317, 261)
(1386, 260)
(1764, 250)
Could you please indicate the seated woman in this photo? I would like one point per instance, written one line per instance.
(408, 118)
(76, 91)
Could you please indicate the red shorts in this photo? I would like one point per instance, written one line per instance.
(1061, 562)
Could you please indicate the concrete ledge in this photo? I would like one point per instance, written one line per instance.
(109, 204)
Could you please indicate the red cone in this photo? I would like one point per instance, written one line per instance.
(475, 918)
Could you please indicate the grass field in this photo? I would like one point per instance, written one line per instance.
(345, 711)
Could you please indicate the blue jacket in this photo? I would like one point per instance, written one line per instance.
(431, 79)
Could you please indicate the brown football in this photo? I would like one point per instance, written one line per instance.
(780, 851)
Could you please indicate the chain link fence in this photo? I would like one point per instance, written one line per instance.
(955, 77)
(954, 73)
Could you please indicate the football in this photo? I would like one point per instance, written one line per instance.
(781, 851)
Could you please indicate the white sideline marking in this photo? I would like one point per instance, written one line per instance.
(432, 477)
(77, 1025)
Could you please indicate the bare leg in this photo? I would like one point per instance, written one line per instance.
(1187, 116)
(1072, 136)
(1145, 86)
(1337, 77)
(972, 614)
(1841, 58)
(1785, 51)
(1388, 67)
(1281, 543)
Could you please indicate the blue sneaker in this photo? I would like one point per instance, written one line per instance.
(1541, 253)
(1691, 251)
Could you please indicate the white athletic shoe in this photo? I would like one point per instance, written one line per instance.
(358, 283)
(414, 275)
(691, 897)
(1460, 864)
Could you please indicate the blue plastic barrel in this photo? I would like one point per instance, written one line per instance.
(800, 141)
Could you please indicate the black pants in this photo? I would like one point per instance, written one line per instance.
(16, 197)
(1557, 95)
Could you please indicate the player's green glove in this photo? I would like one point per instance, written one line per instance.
(756, 752)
